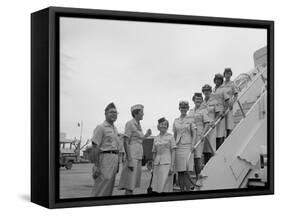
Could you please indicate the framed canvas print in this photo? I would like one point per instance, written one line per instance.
(139, 107)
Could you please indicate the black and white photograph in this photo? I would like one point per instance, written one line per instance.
(158, 108)
(140, 107)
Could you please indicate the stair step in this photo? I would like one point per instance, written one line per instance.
(255, 183)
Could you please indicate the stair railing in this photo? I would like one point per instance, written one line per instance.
(213, 151)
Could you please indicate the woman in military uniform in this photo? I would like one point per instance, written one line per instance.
(209, 103)
(201, 121)
(185, 135)
(163, 159)
(222, 99)
(133, 138)
(232, 91)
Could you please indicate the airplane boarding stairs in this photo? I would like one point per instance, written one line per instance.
(236, 164)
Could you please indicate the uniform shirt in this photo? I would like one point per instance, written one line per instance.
(211, 107)
(106, 137)
(221, 96)
(231, 88)
(182, 128)
(135, 135)
(163, 146)
(200, 116)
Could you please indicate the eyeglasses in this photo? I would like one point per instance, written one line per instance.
(113, 112)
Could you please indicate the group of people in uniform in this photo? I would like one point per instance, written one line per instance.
(179, 153)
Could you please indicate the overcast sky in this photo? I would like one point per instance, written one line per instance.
(155, 64)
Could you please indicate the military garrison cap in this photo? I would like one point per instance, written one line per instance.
(197, 94)
(206, 88)
(183, 104)
(137, 107)
(227, 70)
(218, 76)
(110, 106)
(161, 120)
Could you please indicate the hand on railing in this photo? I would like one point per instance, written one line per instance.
(221, 115)
(212, 126)
(193, 149)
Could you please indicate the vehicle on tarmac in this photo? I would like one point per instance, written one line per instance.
(67, 158)
(68, 153)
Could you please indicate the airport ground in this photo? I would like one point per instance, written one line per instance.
(78, 182)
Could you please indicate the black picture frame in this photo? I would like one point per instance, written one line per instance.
(45, 105)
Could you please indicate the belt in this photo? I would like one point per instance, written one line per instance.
(110, 152)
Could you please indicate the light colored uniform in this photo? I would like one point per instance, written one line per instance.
(201, 118)
(231, 90)
(210, 106)
(162, 147)
(182, 128)
(131, 179)
(221, 96)
(106, 137)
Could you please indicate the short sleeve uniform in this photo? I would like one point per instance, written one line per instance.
(231, 90)
(221, 96)
(133, 132)
(132, 179)
(200, 119)
(105, 136)
(162, 146)
(210, 106)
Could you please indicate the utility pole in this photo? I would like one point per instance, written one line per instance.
(80, 140)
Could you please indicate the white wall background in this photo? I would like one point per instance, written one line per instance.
(15, 106)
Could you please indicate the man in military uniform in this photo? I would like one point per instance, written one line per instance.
(133, 138)
(106, 145)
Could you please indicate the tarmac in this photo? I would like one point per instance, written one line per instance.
(78, 182)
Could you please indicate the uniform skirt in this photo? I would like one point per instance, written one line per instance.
(162, 181)
(220, 129)
(211, 139)
(130, 179)
(199, 150)
(229, 120)
(182, 153)
(104, 184)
